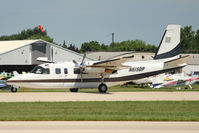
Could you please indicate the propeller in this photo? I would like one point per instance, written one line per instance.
(81, 66)
(83, 59)
(75, 62)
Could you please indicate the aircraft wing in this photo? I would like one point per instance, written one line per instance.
(112, 63)
(180, 62)
(107, 66)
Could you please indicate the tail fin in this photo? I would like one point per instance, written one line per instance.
(170, 43)
(15, 73)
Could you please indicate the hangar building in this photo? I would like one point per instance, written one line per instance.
(21, 55)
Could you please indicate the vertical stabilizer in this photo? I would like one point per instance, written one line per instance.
(170, 43)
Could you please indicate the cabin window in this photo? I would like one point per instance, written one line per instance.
(65, 71)
(58, 71)
(40, 70)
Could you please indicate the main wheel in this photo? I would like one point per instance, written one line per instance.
(102, 88)
(73, 89)
(13, 89)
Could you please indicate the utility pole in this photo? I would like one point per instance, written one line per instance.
(113, 37)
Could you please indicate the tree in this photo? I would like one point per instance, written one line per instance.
(104, 47)
(64, 44)
(34, 33)
(197, 40)
(188, 42)
(73, 48)
(90, 46)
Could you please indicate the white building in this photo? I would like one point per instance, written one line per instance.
(21, 55)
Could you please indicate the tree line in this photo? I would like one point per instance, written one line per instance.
(189, 42)
(34, 33)
(130, 45)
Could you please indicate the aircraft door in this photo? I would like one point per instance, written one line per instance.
(68, 78)
(58, 75)
(65, 72)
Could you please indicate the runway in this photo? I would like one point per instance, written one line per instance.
(114, 96)
(98, 127)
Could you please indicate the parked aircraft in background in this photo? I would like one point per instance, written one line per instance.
(4, 85)
(179, 79)
(101, 74)
(5, 76)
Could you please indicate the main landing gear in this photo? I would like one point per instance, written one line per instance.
(102, 88)
(73, 89)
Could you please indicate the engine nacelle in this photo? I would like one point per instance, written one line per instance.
(94, 70)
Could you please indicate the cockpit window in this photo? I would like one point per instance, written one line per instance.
(40, 70)
(47, 71)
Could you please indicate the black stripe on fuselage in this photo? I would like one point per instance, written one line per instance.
(116, 79)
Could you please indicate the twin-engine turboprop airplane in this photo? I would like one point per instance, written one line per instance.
(101, 74)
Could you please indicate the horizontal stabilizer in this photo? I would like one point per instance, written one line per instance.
(180, 62)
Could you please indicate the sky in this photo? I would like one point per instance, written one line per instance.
(79, 21)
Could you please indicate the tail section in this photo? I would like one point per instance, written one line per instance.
(170, 43)
(15, 73)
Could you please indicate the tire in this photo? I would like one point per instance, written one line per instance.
(73, 89)
(13, 89)
(102, 88)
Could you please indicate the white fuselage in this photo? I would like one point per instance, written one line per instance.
(62, 79)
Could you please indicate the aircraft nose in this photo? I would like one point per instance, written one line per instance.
(12, 80)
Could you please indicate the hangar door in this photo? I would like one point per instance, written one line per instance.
(38, 50)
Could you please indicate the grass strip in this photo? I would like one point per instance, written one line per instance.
(101, 111)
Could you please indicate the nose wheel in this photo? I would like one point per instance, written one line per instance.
(13, 89)
(102, 88)
(73, 89)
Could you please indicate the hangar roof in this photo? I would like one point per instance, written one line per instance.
(10, 45)
(112, 55)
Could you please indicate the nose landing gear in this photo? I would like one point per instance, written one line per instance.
(13, 89)
(73, 89)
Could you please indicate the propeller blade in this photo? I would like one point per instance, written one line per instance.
(75, 62)
(81, 72)
(83, 59)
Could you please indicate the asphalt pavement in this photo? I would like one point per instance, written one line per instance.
(98, 127)
(113, 96)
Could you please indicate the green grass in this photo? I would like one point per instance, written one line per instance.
(101, 111)
(129, 88)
